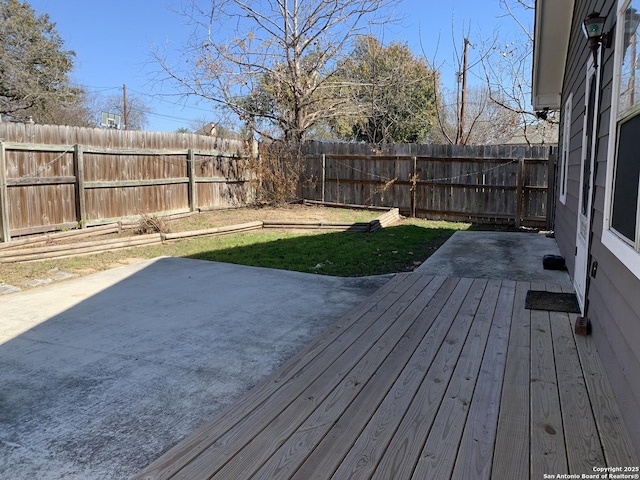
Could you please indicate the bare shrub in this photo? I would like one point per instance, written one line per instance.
(277, 172)
(151, 224)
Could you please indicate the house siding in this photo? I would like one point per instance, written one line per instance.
(613, 295)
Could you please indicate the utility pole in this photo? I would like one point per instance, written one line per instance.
(463, 96)
(124, 100)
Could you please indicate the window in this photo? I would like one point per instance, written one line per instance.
(622, 208)
(624, 212)
(566, 143)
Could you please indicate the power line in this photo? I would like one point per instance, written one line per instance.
(168, 117)
(155, 96)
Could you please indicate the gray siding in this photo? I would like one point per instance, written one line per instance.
(613, 296)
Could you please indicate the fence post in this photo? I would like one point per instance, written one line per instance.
(520, 193)
(4, 198)
(414, 186)
(78, 168)
(324, 174)
(191, 172)
(551, 188)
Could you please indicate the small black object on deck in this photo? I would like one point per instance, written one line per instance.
(553, 262)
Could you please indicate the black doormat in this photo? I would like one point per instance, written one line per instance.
(552, 302)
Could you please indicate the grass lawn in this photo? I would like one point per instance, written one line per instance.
(400, 248)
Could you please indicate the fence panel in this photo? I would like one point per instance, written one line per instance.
(484, 184)
(122, 183)
(54, 177)
(40, 187)
(221, 180)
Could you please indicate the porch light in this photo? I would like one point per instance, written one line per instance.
(631, 21)
(593, 29)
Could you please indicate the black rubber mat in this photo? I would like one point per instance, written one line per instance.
(552, 302)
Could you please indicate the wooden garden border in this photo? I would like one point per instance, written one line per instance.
(32, 250)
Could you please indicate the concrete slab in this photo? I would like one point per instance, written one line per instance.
(53, 275)
(5, 289)
(102, 374)
(506, 255)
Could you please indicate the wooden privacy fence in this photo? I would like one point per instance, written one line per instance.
(484, 184)
(65, 177)
(57, 177)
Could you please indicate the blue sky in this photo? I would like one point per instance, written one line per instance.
(113, 41)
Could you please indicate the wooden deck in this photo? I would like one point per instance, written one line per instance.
(432, 378)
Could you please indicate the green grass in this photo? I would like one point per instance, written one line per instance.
(348, 254)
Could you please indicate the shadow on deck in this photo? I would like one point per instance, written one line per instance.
(432, 377)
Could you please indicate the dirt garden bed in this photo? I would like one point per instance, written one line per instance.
(29, 274)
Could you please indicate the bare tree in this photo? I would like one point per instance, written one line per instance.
(485, 121)
(272, 62)
(80, 113)
(507, 69)
(468, 114)
(204, 126)
(496, 107)
(136, 109)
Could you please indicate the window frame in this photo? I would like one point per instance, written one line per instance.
(619, 246)
(567, 113)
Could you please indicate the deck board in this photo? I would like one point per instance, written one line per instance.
(370, 445)
(583, 445)
(439, 453)
(475, 454)
(329, 453)
(432, 377)
(342, 415)
(614, 438)
(404, 449)
(548, 452)
(511, 457)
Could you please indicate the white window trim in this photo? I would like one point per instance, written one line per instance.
(566, 145)
(618, 247)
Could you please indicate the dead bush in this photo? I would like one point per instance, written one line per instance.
(151, 224)
(277, 172)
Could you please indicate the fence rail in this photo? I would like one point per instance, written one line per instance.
(49, 183)
(497, 184)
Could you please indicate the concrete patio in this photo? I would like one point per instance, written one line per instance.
(102, 374)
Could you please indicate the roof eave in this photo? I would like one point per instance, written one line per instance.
(550, 47)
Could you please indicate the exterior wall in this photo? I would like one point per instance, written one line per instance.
(613, 300)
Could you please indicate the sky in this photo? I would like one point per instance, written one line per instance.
(113, 42)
